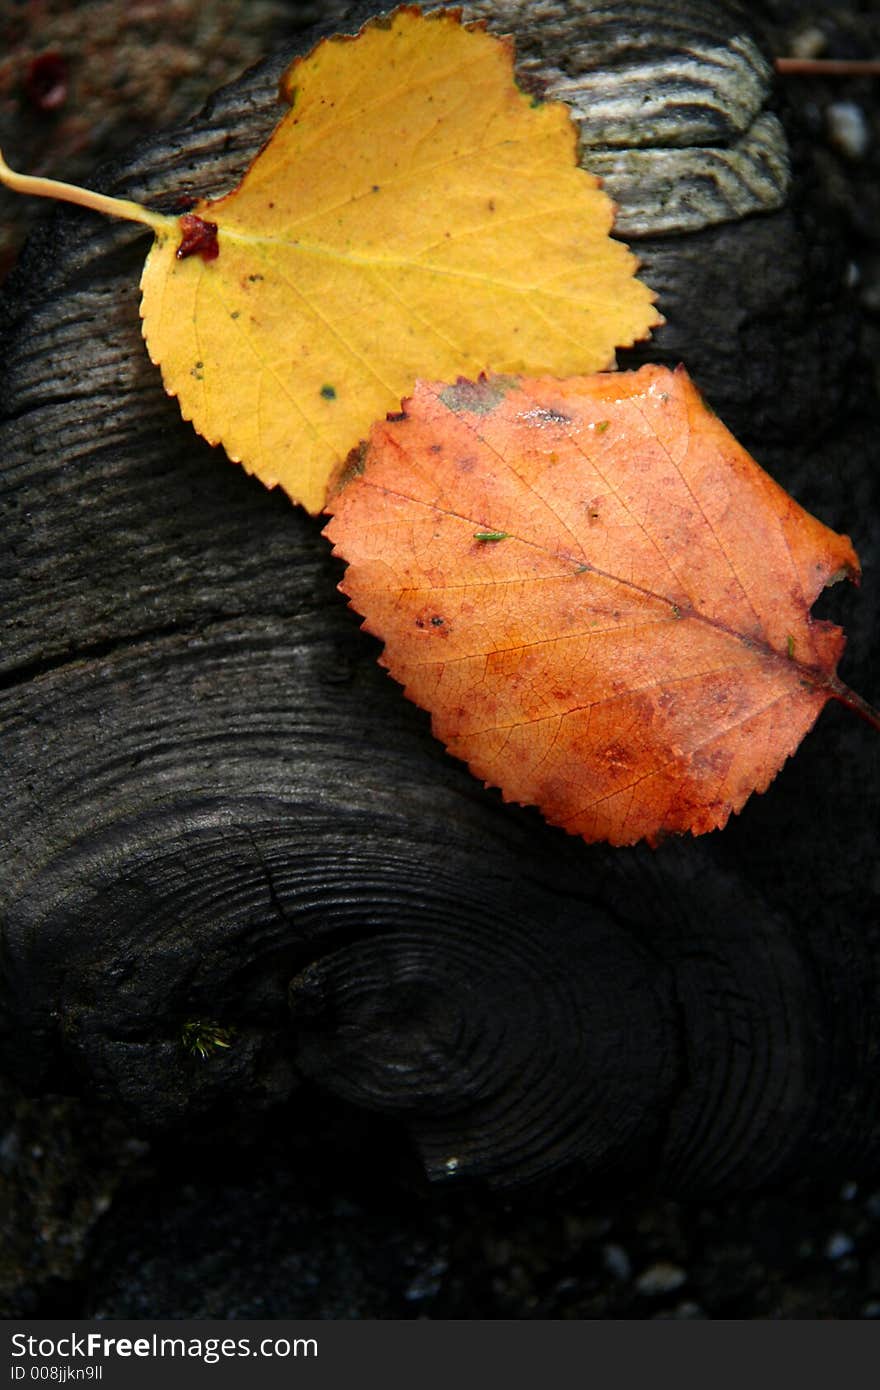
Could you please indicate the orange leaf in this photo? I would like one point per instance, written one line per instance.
(600, 597)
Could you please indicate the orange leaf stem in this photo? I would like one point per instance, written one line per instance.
(854, 702)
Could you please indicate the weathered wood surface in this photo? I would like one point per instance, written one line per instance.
(217, 806)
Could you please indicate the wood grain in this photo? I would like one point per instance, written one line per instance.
(213, 791)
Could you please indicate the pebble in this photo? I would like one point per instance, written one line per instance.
(427, 1283)
(684, 1311)
(659, 1278)
(617, 1262)
(870, 285)
(808, 43)
(10, 1149)
(838, 1245)
(848, 129)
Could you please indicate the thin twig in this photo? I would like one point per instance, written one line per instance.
(828, 67)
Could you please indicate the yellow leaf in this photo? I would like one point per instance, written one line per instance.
(415, 213)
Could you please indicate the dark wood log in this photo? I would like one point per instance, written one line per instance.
(218, 807)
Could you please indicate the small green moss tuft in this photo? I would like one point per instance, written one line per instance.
(203, 1037)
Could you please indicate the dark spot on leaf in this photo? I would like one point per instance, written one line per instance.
(617, 757)
(479, 397)
(491, 204)
(395, 416)
(199, 238)
(375, 188)
(435, 449)
(430, 622)
(328, 393)
(716, 763)
(235, 313)
(254, 278)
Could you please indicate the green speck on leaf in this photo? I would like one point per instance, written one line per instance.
(329, 393)
(491, 535)
(202, 1037)
(789, 647)
(601, 426)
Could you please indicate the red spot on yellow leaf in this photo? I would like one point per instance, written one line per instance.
(198, 238)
